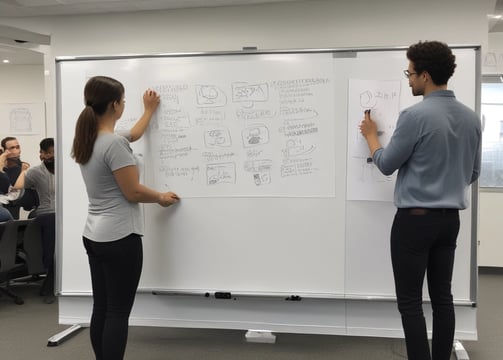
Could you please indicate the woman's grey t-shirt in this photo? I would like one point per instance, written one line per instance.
(111, 216)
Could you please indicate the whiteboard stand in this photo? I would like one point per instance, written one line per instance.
(460, 351)
(260, 336)
(60, 337)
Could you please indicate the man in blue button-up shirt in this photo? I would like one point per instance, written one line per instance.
(436, 150)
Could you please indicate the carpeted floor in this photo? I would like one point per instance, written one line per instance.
(25, 330)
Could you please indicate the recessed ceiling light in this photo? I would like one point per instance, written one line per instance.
(5, 61)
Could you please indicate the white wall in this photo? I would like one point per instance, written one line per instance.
(490, 229)
(492, 62)
(23, 84)
(307, 24)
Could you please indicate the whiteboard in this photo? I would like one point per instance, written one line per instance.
(368, 262)
(249, 229)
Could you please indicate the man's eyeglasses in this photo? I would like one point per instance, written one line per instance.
(408, 74)
(14, 147)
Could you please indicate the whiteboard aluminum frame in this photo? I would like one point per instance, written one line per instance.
(64, 58)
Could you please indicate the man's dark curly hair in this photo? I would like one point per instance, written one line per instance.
(435, 58)
(46, 143)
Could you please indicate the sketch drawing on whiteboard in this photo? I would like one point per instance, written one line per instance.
(367, 100)
(210, 96)
(377, 113)
(262, 178)
(296, 148)
(382, 97)
(255, 135)
(217, 138)
(221, 173)
(248, 94)
(370, 173)
(298, 167)
(20, 120)
(261, 170)
(170, 119)
(253, 114)
(295, 113)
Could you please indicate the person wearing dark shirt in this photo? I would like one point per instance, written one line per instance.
(5, 214)
(4, 183)
(13, 165)
(41, 179)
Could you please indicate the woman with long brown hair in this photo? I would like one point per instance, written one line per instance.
(114, 227)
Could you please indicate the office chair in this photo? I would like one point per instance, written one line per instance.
(9, 269)
(32, 246)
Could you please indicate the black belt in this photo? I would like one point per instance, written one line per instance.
(424, 211)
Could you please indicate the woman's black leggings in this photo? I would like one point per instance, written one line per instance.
(115, 274)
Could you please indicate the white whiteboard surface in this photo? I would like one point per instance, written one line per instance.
(244, 126)
(322, 246)
(277, 237)
(368, 260)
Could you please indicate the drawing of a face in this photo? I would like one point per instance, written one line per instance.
(367, 99)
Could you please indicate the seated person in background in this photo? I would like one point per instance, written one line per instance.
(13, 164)
(4, 189)
(4, 179)
(41, 179)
